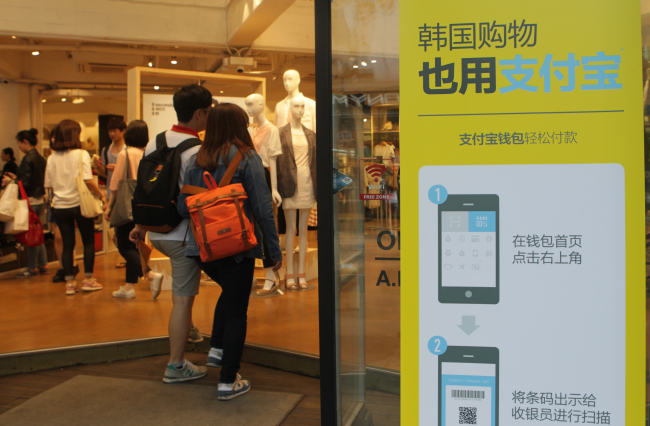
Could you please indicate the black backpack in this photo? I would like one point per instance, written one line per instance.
(154, 198)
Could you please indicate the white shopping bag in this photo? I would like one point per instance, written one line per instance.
(20, 221)
(8, 200)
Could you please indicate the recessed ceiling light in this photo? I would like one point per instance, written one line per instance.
(221, 91)
(78, 101)
(63, 99)
(156, 87)
(36, 53)
(14, 37)
(374, 61)
(174, 61)
(43, 100)
(364, 64)
(355, 66)
(150, 63)
(365, 119)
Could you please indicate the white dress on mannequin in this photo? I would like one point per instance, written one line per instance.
(304, 197)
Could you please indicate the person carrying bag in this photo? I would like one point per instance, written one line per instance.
(223, 232)
(69, 174)
(120, 215)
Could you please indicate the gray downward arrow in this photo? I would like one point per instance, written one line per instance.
(469, 324)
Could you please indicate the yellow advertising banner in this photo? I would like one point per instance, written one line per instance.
(523, 291)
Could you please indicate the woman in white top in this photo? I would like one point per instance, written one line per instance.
(136, 138)
(60, 175)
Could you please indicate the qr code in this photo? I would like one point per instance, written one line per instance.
(467, 416)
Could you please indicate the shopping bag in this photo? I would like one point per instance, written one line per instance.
(8, 201)
(33, 237)
(122, 213)
(90, 205)
(20, 222)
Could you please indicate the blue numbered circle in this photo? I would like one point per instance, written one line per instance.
(437, 345)
(438, 194)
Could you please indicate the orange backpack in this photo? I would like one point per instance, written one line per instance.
(219, 224)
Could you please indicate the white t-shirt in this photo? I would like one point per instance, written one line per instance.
(61, 173)
(174, 139)
(266, 140)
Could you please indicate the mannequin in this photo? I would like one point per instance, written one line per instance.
(282, 109)
(297, 185)
(266, 139)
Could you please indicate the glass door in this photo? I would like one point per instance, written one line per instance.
(357, 90)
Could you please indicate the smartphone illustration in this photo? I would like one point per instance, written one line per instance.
(468, 386)
(468, 249)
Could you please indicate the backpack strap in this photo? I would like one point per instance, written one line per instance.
(161, 141)
(187, 144)
(193, 190)
(232, 168)
(105, 155)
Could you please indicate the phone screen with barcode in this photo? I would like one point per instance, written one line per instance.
(467, 394)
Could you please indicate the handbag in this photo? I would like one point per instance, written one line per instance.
(122, 211)
(20, 221)
(8, 201)
(90, 205)
(33, 237)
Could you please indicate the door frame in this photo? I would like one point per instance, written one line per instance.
(327, 292)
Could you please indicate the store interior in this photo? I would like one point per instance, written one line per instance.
(46, 79)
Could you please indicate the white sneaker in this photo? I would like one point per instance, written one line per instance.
(156, 285)
(121, 293)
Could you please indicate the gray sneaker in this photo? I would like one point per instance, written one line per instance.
(213, 361)
(228, 391)
(188, 372)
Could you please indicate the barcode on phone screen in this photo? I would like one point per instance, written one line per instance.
(467, 394)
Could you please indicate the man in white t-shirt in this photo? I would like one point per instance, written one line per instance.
(192, 104)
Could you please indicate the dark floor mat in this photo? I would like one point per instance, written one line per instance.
(101, 401)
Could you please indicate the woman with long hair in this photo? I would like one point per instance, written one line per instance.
(136, 138)
(226, 134)
(31, 174)
(60, 175)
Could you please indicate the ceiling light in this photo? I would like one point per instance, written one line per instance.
(43, 100)
(63, 99)
(355, 66)
(156, 87)
(374, 61)
(221, 91)
(78, 101)
(36, 53)
(13, 37)
(364, 64)
(150, 63)
(174, 61)
(365, 119)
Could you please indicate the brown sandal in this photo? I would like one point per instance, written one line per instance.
(304, 285)
(292, 287)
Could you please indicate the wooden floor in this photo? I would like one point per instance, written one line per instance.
(36, 314)
(16, 389)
